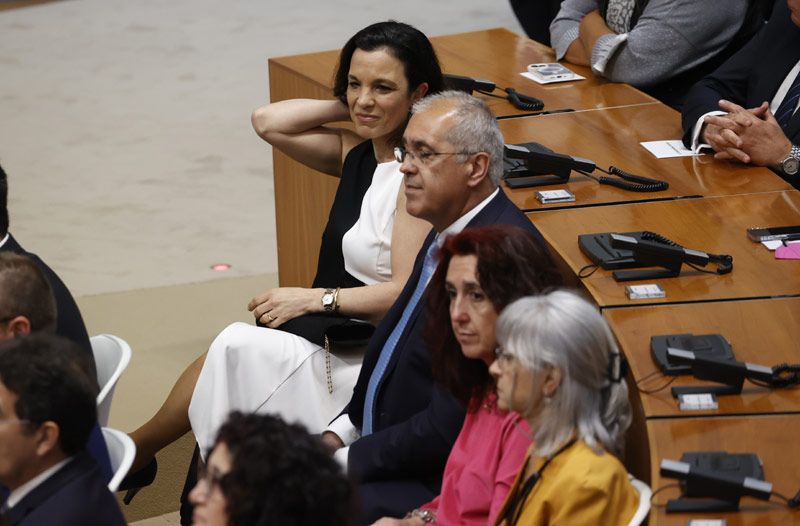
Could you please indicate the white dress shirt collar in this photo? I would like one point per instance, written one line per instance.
(462, 222)
(21, 492)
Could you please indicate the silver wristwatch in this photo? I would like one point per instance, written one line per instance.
(329, 300)
(791, 164)
(426, 515)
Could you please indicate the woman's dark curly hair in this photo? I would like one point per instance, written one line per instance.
(281, 475)
(512, 263)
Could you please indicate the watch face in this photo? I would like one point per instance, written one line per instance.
(791, 166)
(327, 300)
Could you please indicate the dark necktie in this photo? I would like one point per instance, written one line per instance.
(787, 107)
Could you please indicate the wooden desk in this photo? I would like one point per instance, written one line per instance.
(498, 55)
(717, 225)
(303, 197)
(764, 332)
(612, 137)
(773, 438)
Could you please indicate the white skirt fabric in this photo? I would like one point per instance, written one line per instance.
(255, 369)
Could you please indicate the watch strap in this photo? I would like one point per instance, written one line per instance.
(790, 165)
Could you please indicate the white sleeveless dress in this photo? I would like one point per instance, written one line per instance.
(256, 369)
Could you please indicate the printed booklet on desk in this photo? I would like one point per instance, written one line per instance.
(550, 72)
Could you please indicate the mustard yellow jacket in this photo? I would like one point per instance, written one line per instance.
(577, 488)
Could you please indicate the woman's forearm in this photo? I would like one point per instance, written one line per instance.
(591, 29)
(297, 116)
(298, 128)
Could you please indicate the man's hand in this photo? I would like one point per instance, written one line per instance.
(750, 136)
(277, 306)
(332, 441)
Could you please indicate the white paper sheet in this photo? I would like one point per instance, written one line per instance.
(666, 149)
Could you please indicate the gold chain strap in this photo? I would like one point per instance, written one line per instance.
(328, 365)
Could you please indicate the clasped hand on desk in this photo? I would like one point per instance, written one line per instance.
(750, 136)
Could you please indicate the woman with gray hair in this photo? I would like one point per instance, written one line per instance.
(559, 367)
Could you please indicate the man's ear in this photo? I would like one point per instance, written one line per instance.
(19, 326)
(479, 169)
(47, 437)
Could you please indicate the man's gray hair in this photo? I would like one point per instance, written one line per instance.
(562, 330)
(475, 128)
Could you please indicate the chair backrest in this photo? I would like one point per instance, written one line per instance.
(121, 451)
(645, 494)
(111, 356)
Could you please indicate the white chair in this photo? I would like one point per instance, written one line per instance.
(645, 494)
(111, 356)
(121, 451)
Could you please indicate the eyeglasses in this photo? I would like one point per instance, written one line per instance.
(425, 157)
(210, 479)
(503, 357)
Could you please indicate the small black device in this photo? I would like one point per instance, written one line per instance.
(538, 165)
(729, 372)
(714, 481)
(714, 345)
(778, 233)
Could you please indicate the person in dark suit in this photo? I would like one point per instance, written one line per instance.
(47, 411)
(757, 91)
(68, 320)
(397, 431)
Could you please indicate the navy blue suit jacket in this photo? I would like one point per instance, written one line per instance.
(69, 324)
(416, 422)
(75, 495)
(751, 76)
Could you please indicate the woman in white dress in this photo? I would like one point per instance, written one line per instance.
(382, 71)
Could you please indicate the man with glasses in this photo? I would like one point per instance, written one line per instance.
(47, 411)
(397, 431)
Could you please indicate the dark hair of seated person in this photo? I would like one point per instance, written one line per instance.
(511, 264)
(25, 291)
(3, 203)
(280, 474)
(406, 43)
(51, 379)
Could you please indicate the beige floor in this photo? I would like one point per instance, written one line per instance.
(169, 519)
(124, 128)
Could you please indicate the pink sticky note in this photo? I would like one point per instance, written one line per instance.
(788, 252)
